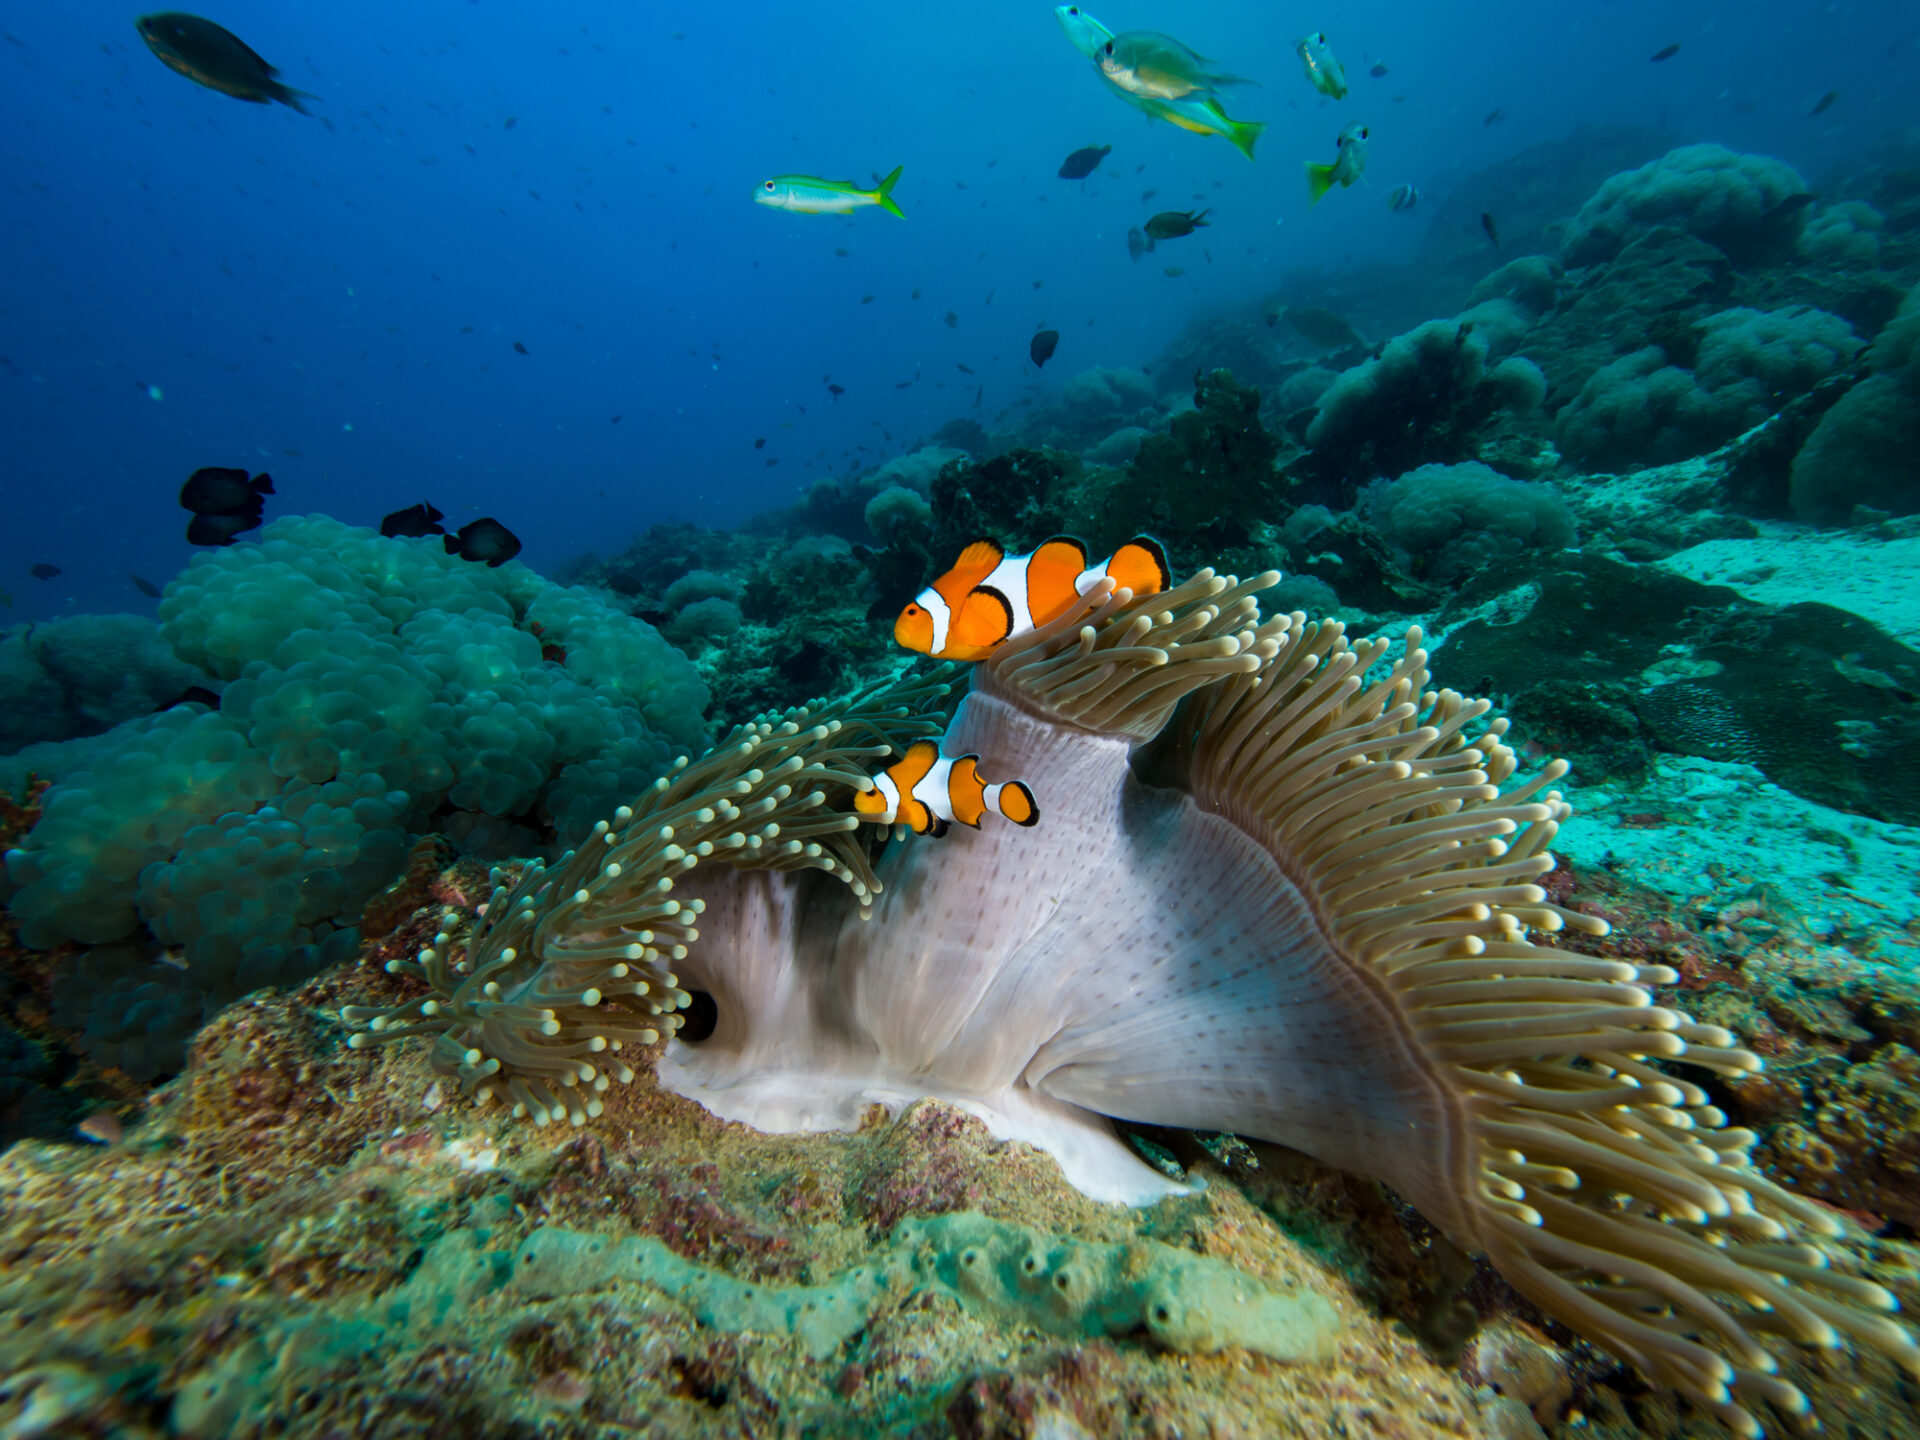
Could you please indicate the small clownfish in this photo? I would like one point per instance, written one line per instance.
(928, 791)
(989, 596)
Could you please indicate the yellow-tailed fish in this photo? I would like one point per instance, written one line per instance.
(1198, 115)
(810, 195)
(1347, 166)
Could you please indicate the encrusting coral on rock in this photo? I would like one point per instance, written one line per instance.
(1277, 890)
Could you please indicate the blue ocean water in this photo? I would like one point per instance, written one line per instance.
(336, 299)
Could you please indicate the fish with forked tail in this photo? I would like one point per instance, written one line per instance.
(213, 56)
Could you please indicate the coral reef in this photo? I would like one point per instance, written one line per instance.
(1861, 453)
(84, 675)
(370, 685)
(1535, 1063)
(1446, 521)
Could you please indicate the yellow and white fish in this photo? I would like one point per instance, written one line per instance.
(989, 596)
(810, 195)
(1197, 114)
(929, 791)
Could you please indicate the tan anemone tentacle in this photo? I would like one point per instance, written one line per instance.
(1117, 664)
(1606, 1191)
(574, 963)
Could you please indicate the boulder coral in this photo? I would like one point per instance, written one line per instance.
(1862, 452)
(1704, 386)
(1275, 889)
(1745, 205)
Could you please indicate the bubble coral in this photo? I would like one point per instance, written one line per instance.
(1276, 890)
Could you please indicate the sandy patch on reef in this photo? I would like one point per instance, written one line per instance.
(1787, 564)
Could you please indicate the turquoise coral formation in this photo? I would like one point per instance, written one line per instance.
(369, 684)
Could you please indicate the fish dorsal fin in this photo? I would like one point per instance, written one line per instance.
(976, 562)
(1140, 565)
(1053, 571)
(907, 772)
(911, 767)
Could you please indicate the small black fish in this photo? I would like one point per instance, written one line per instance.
(44, 571)
(1137, 244)
(1082, 163)
(213, 490)
(520, 349)
(1494, 117)
(1379, 70)
(215, 57)
(1172, 224)
(866, 299)
(916, 292)
(1493, 230)
(220, 529)
(963, 369)
(836, 391)
(512, 120)
(1042, 346)
(952, 320)
(413, 522)
(979, 394)
(1664, 53)
(1825, 103)
(485, 539)
(145, 587)
(616, 419)
(760, 443)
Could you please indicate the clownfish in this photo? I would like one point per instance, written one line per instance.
(990, 596)
(928, 791)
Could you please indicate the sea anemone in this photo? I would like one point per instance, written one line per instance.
(1277, 889)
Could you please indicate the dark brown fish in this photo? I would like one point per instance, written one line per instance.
(145, 587)
(213, 490)
(760, 443)
(520, 349)
(220, 529)
(210, 55)
(1042, 346)
(963, 369)
(413, 522)
(1082, 163)
(836, 391)
(1494, 117)
(1825, 103)
(1664, 53)
(1493, 230)
(952, 320)
(1172, 224)
(44, 571)
(485, 539)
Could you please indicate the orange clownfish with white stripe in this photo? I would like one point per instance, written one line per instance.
(928, 791)
(990, 596)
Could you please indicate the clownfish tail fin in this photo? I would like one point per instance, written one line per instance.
(1014, 801)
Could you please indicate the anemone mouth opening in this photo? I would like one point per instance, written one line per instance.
(699, 1018)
